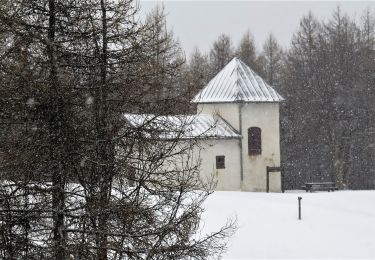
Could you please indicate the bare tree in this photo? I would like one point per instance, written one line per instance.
(221, 53)
(71, 70)
(164, 62)
(271, 59)
(41, 118)
(327, 85)
(197, 75)
(247, 52)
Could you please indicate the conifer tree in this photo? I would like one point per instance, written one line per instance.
(221, 53)
(271, 59)
(80, 181)
(247, 52)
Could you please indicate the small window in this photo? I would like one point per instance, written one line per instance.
(254, 140)
(220, 162)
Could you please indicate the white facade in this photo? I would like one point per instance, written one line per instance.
(228, 178)
(235, 101)
(243, 100)
(262, 115)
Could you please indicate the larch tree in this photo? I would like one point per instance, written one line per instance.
(80, 180)
(198, 73)
(298, 89)
(220, 54)
(246, 51)
(326, 117)
(37, 139)
(271, 60)
(166, 61)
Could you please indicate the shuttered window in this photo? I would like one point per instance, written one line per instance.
(254, 140)
(220, 162)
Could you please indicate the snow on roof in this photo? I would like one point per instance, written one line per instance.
(237, 82)
(183, 126)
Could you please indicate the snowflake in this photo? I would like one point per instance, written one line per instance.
(89, 100)
(31, 102)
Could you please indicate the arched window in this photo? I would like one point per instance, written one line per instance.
(254, 140)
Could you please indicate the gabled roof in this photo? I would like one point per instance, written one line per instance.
(237, 82)
(183, 126)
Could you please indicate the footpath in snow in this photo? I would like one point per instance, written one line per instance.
(334, 224)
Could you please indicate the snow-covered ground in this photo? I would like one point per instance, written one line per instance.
(334, 224)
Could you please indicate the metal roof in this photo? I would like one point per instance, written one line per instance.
(183, 126)
(237, 82)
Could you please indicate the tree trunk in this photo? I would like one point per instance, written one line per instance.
(104, 145)
(55, 127)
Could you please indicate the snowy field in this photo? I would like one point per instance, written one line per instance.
(337, 225)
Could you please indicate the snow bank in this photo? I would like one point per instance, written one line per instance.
(334, 225)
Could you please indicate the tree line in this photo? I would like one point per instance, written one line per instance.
(267, 63)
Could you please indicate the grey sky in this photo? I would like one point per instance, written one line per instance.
(198, 23)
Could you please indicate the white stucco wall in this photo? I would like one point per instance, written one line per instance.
(262, 115)
(228, 111)
(266, 117)
(204, 154)
(228, 178)
(241, 116)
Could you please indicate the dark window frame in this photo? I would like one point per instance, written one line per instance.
(220, 162)
(254, 142)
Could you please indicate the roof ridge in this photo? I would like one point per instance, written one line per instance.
(183, 126)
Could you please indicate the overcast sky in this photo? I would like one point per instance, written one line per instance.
(198, 23)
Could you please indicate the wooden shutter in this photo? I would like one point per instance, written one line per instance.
(254, 140)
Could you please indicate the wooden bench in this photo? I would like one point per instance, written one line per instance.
(319, 186)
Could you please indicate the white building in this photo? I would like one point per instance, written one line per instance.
(238, 114)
